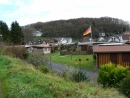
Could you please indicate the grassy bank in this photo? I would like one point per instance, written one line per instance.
(21, 80)
(81, 61)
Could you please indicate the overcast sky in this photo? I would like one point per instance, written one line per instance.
(32, 11)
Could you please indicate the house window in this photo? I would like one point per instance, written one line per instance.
(39, 49)
(45, 49)
(28, 49)
(126, 57)
(114, 39)
(48, 49)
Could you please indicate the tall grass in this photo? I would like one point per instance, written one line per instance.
(21, 80)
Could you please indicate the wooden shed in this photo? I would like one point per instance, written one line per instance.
(118, 54)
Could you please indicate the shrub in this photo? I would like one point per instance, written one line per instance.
(2, 49)
(25, 55)
(44, 69)
(16, 51)
(111, 74)
(79, 76)
(64, 74)
(37, 59)
(94, 56)
(125, 86)
(62, 47)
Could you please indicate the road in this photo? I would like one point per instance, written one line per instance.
(61, 67)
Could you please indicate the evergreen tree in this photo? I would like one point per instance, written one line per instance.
(4, 31)
(17, 36)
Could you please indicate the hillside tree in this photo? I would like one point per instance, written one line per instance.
(4, 30)
(17, 36)
(28, 33)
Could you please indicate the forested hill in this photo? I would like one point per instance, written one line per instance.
(75, 27)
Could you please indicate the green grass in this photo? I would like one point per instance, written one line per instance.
(73, 60)
(53, 54)
(21, 80)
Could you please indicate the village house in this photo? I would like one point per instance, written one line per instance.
(54, 42)
(115, 53)
(66, 40)
(85, 44)
(119, 38)
(37, 33)
(101, 39)
(115, 39)
(43, 49)
(59, 41)
(39, 46)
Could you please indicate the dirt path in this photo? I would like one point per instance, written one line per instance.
(0, 90)
(60, 67)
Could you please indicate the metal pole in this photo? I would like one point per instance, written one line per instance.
(71, 55)
(50, 63)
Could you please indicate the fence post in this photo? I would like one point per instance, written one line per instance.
(71, 55)
(50, 63)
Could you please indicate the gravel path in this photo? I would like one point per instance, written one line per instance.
(60, 67)
(0, 90)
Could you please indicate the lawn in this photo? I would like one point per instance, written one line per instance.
(81, 61)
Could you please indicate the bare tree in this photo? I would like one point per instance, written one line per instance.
(28, 33)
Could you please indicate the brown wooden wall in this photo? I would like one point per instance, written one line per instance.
(103, 58)
(84, 47)
(117, 58)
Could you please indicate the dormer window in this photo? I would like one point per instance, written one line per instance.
(113, 39)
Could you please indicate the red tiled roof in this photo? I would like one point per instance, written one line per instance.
(111, 49)
(125, 36)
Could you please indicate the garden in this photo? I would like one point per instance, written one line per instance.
(81, 61)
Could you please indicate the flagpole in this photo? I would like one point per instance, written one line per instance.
(91, 31)
(91, 34)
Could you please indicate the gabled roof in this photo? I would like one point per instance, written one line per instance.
(111, 49)
(128, 42)
(115, 35)
(85, 39)
(125, 36)
(53, 40)
(41, 46)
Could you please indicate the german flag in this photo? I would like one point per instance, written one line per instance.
(87, 31)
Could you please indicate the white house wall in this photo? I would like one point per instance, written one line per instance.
(114, 39)
(47, 50)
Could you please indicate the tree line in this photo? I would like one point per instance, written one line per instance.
(75, 27)
(13, 35)
(63, 28)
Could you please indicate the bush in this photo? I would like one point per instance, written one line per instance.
(25, 55)
(44, 69)
(37, 59)
(111, 74)
(94, 56)
(16, 51)
(64, 74)
(125, 86)
(79, 76)
(62, 47)
(2, 48)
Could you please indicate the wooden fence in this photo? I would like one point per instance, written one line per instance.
(73, 52)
